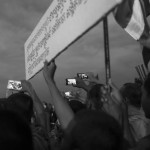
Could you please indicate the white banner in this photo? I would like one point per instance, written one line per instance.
(63, 22)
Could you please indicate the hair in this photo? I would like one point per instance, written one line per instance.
(76, 105)
(132, 91)
(22, 104)
(15, 133)
(3, 103)
(93, 130)
(147, 85)
(95, 93)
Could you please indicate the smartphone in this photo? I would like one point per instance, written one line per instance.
(68, 94)
(70, 81)
(82, 75)
(14, 85)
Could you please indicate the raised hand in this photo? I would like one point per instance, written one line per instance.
(79, 83)
(92, 78)
(49, 70)
(26, 86)
(115, 93)
(62, 108)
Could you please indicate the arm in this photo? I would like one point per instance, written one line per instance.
(81, 84)
(126, 126)
(112, 108)
(92, 78)
(124, 110)
(38, 106)
(62, 108)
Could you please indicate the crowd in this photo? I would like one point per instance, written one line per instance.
(109, 119)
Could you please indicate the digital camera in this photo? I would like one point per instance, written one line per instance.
(14, 85)
(70, 81)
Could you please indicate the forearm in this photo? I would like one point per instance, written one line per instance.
(87, 88)
(47, 115)
(62, 108)
(126, 129)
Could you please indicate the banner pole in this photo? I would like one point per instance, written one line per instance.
(107, 55)
(140, 70)
(144, 72)
(137, 69)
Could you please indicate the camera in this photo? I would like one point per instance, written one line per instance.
(82, 75)
(70, 81)
(68, 94)
(14, 85)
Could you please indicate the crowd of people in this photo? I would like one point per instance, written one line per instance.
(109, 119)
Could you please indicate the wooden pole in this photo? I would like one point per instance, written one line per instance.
(107, 54)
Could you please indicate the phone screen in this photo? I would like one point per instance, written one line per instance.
(14, 85)
(70, 81)
(68, 94)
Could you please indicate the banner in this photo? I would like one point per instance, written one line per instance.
(131, 16)
(62, 24)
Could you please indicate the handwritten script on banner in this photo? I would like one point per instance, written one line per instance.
(63, 22)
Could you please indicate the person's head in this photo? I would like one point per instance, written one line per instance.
(93, 130)
(146, 96)
(132, 92)
(15, 133)
(22, 104)
(95, 96)
(76, 105)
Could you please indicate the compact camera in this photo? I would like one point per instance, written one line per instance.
(70, 81)
(68, 94)
(14, 85)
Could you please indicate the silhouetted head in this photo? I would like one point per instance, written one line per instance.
(15, 133)
(76, 105)
(146, 96)
(93, 130)
(132, 92)
(22, 104)
(95, 96)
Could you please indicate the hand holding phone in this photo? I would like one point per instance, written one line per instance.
(82, 75)
(14, 85)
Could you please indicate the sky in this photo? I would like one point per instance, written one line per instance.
(18, 18)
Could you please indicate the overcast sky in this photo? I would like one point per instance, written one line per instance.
(18, 18)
